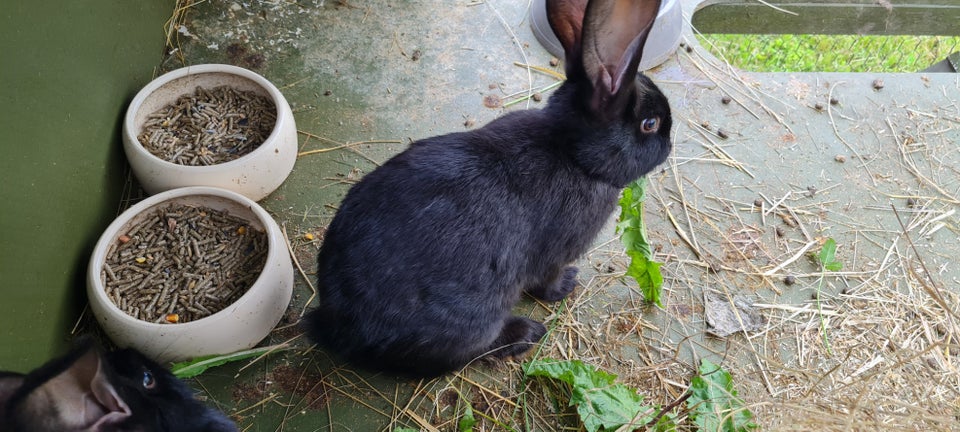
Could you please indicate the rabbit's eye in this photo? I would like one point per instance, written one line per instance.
(148, 381)
(650, 125)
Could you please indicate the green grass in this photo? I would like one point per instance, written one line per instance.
(830, 53)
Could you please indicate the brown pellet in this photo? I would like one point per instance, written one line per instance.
(188, 261)
(109, 270)
(194, 129)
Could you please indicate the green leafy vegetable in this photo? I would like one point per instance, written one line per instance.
(828, 262)
(197, 366)
(467, 421)
(647, 274)
(828, 254)
(666, 423)
(633, 234)
(601, 403)
(632, 230)
(713, 402)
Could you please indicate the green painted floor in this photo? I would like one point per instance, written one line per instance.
(733, 213)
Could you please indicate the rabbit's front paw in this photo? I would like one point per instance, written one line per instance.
(558, 288)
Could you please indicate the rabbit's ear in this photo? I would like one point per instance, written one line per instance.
(79, 393)
(566, 20)
(614, 33)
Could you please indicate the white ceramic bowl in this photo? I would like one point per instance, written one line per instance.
(663, 40)
(239, 326)
(254, 175)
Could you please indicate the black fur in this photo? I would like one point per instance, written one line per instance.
(148, 397)
(428, 254)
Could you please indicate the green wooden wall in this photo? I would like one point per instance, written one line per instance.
(67, 71)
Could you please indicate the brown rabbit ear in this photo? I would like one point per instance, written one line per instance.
(614, 33)
(566, 20)
(80, 395)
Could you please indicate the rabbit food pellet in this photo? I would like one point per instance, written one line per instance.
(209, 127)
(183, 263)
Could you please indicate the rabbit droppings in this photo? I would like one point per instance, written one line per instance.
(427, 255)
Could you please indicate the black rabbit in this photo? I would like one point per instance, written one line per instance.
(90, 390)
(428, 253)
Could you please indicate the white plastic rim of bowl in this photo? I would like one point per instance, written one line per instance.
(239, 326)
(663, 40)
(255, 175)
